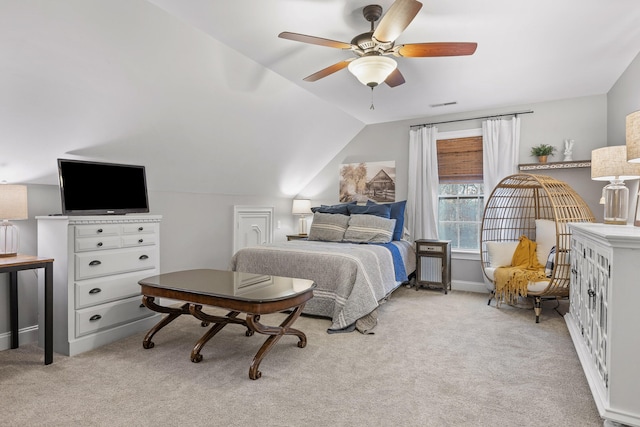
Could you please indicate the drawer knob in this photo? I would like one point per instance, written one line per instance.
(141, 240)
(99, 244)
(144, 257)
(94, 263)
(95, 291)
(99, 230)
(140, 228)
(95, 317)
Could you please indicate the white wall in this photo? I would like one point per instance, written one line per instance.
(582, 119)
(623, 99)
(127, 82)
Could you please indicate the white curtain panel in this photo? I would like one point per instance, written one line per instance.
(422, 198)
(500, 151)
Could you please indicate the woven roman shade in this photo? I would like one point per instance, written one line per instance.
(460, 160)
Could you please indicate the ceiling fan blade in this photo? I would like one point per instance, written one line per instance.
(395, 78)
(416, 50)
(314, 40)
(397, 18)
(328, 71)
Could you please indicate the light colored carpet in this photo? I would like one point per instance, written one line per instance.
(434, 360)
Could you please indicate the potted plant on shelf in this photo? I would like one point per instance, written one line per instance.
(542, 151)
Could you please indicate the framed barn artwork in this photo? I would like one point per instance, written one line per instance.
(368, 181)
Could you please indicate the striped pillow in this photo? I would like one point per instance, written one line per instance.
(369, 229)
(328, 227)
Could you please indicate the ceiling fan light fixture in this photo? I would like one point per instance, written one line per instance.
(373, 69)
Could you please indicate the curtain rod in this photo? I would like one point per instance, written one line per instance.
(476, 118)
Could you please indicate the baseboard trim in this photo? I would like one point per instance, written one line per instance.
(463, 285)
(25, 336)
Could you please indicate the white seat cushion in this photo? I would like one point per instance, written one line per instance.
(501, 253)
(531, 287)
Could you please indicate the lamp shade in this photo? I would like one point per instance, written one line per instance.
(301, 207)
(633, 137)
(372, 70)
(609, 163)
(13, 205)
(13, 201)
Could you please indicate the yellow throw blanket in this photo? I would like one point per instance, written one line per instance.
(511, 282)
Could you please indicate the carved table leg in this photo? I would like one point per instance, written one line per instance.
(173, 313)
(275, 334)
(218, 323)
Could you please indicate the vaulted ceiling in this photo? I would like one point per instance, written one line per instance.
(527, 51)
(207, 96)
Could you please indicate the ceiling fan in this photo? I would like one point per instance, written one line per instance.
(372, 64)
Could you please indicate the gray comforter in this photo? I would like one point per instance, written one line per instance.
(350, 279)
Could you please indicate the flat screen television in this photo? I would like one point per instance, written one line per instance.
(93, 188)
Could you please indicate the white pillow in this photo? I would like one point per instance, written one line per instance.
(545, 238)
(501, 253)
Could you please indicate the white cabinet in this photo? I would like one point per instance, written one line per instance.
(98, 261)
(603, 318)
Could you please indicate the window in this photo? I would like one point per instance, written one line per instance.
(461, 192)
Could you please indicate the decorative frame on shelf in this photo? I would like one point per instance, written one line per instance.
(555, 165)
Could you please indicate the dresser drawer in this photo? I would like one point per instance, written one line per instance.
(97, 264)
(138, 240)
(98, 291)
(97, 230)
(84, 244)
(138, 229)
(107, 315)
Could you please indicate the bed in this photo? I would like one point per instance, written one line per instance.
(354, 259)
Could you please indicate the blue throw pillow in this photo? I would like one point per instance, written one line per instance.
(397, 213)
(383, 211)
(333, 209)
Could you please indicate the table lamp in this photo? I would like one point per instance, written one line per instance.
(302, 207)
(13, 206)
(610, 164)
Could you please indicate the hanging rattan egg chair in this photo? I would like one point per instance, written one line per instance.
(538, 207)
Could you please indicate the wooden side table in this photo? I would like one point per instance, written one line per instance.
(297, 237)
(21, 262)
(433, 263)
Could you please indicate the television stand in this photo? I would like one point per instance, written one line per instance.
(99, 261)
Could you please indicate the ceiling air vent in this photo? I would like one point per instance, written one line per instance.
(444, 104)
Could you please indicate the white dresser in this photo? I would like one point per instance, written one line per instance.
(604, 318)
(98, 261)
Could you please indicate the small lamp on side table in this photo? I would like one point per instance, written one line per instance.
(302, 207)
(13, 206)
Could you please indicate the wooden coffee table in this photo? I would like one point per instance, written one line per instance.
(253, 294)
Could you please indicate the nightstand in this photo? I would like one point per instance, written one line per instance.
(433, 262)
(297, 237)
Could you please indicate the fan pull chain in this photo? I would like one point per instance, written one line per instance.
(372, 106)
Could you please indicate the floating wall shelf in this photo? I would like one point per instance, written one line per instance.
(555, 165)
